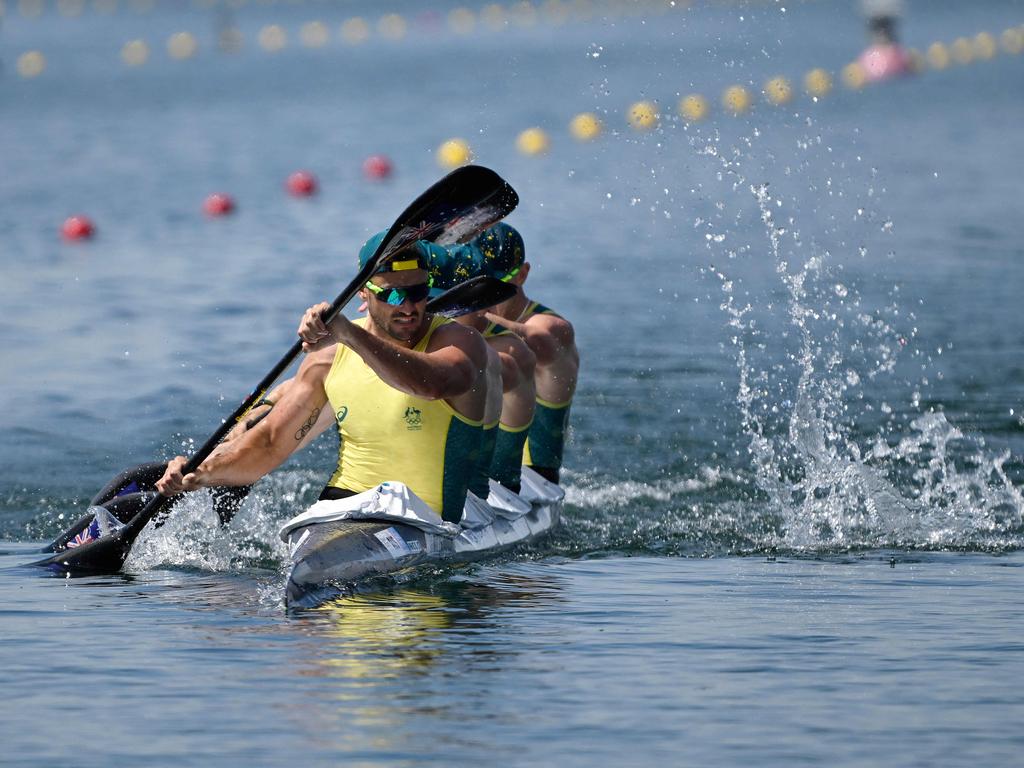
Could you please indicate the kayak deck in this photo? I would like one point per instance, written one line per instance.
(338, 544)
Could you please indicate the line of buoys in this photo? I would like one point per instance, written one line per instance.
(461, 20)
(738, 99)
(300, 184)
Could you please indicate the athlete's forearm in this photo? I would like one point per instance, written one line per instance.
(415, 373)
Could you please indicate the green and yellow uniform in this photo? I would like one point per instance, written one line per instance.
(390, 435)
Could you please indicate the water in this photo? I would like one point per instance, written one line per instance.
(794, 518)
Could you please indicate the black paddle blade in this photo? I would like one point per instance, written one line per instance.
(105, 555)
(474, 295)
(456, 208)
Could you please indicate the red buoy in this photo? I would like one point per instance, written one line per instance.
(78, 228)
(302, 184)
(377, 167)
(218, 204)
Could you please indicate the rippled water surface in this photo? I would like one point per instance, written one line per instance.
(794, 514)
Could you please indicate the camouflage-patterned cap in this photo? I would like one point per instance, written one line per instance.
(502, 250)
(453, 265)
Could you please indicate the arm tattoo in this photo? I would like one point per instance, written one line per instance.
(308, 425)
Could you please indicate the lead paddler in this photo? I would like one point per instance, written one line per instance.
(407, 391)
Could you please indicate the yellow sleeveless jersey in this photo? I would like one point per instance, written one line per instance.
(390, 435)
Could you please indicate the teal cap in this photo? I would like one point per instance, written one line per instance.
(415, 256)
(501, 249)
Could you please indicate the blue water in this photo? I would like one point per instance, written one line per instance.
(794, 517)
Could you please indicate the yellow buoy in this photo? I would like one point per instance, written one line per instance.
(817, 83)
(853, 76)
(273, 38)
(736, 99)
(454, 153)
(985, 45)
(693, 108)
(778, 90)
(135, 53)
(1012, 41)
(31, 64)
(533, 141)
(355, 30)
(392, 26)
(314, 34)
(963, 51)
(643, 115)
(586, 126)
(462, 21)
(182, 45)
(938, 56)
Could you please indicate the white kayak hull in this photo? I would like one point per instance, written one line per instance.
(335, 545)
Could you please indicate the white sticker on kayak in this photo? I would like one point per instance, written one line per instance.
(296, 544)
(394, 543)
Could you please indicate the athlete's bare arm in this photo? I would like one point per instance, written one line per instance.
(553, 342)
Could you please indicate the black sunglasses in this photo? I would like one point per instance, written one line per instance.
(395, 296)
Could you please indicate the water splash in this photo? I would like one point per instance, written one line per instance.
(837, 468)
(192, 537)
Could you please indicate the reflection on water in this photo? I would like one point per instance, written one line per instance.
(390, 653)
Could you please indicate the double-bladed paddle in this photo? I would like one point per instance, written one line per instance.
(454, 209)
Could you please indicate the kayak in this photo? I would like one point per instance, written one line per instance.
(334, 545)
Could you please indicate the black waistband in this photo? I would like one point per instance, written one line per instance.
(330, 493)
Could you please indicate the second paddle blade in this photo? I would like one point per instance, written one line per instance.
(475, 295)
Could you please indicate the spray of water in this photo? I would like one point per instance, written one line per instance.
(834, 465)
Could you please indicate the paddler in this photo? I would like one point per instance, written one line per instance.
(504, 434)
(548, 335)
(407, 391)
